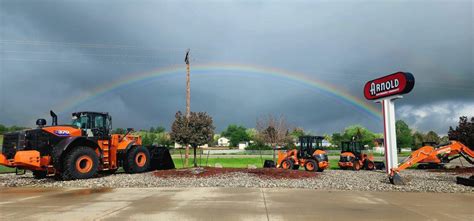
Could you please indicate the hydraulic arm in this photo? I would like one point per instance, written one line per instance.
(444, 153)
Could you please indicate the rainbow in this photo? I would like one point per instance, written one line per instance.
(201, 69)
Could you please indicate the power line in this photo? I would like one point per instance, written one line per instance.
(85, 45)
(86, 54)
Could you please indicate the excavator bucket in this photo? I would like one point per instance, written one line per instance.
(160, 158)
(396, 179)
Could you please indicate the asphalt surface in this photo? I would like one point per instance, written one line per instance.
(229, 204)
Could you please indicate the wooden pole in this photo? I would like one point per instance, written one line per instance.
(188, 100)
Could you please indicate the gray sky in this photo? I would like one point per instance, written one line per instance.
(53, 51)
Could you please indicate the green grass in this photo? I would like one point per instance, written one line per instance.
(4, 169)
(237, 162)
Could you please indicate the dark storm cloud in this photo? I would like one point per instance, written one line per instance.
(53, 51)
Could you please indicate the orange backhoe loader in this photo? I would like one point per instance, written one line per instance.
(309, 154)
(80, 150)
(444, 153)
(353, 157)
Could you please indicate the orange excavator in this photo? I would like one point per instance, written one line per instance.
(442, 154)
(309, 154)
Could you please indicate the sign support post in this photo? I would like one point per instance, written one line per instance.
(389, 132)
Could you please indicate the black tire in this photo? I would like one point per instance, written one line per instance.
(287, 164)
(369, 165)
(80, 163)
(39, 174)
(356, 165)
(311, 165)
(296, 167)
(137, 160)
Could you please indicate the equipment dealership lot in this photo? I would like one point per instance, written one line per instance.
(229, 204)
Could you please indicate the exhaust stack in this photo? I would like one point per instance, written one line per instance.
(55, 118)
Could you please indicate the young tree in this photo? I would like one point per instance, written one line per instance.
(195, 130)
(464, 132)
(404, 137)
(236, 134)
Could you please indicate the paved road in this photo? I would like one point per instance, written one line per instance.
(229, 204)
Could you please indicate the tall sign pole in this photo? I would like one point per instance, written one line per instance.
(386, 90)
(188, 102)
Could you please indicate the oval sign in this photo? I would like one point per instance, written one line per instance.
(397, 83)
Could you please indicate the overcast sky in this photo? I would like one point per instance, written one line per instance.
(53, 51)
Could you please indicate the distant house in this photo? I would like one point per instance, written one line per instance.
(243, 145)
(223, 142)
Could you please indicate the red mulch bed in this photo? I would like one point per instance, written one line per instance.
(459, 170)
(273, 173)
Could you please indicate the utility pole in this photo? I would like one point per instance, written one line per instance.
(188, 85)
(188, 102)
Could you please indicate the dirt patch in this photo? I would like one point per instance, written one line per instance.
(272, 173)
(459, 170)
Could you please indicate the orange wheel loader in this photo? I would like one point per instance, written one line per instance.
(79, 150)
(309, 154)
(352, 157)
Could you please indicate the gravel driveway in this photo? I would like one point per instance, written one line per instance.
(420, 181)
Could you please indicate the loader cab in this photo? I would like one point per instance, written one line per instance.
(93, 124)
(352, 147)
(309, 144)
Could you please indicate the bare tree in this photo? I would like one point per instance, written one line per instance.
(273, 131)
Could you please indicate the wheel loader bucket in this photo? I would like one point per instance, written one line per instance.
(269, 164)
(160, 158)
(396, 179)
(379, 165)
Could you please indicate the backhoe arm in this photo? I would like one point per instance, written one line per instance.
(415, 157)
(454, 148)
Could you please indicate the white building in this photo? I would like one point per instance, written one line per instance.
(223, 142)
(243, 145)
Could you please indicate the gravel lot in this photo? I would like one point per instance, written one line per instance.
(420, 181)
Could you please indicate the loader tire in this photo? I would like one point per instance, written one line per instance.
(137, 160)
(356, 165)
(369, 165)
(311, 165)
(80, 163)
(287, 164)
(39, 174)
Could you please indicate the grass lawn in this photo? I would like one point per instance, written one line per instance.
(237, 162)
(6, 169)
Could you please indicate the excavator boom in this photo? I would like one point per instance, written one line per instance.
(453, 149)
